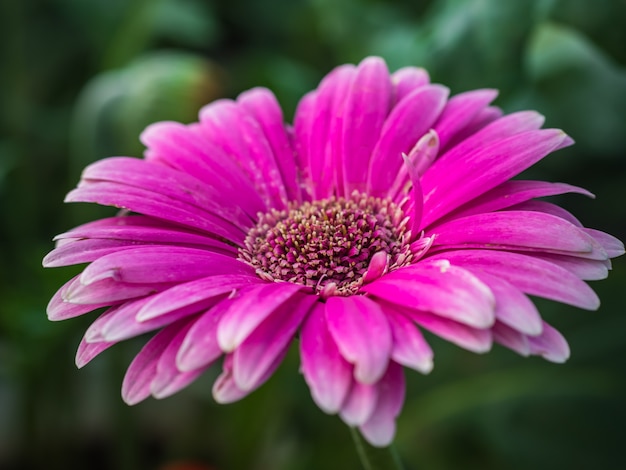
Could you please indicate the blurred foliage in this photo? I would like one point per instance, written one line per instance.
(79, 80)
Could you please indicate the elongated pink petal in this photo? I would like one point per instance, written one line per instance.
(446, 187)
(585, 269)
(513, 308)
(359, 404)
(60, 309)
(231, 128)
(473, 339)
(515, 192)
(409, 346)
(161, 264)
(367, 105)
(88, 351)
(193, 293)
(142, 370)
(438, 287)
(187, 149)
(362, 333)
(611, 245)
(326, 372)
(550, 345)
(511, 338)
(199, 347)
(168, 379)
(252, 306)
(148, 202)
(407, 122)
(141, 229)
(459, 112)
(265, 346)
(531, 275)
(380, 428)
(262, 104)
(513, 230)
(109, 292)
(225, 389)
(408, 79)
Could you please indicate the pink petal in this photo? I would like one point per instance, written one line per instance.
(513, 230)
(161, 264)
(407, 122)
(367, 105)
(380, 428)
(228, 126)
(168, 378)
(136, 384)
(187, 149)
(460, 110)
(585, 269)
(362, 333)
(514, 192)
(359, 404)
(200, 347)
(448, 185)
(511, 338)
(409, 346)
(472, 339)
(531, 275)
(87, 351)
(438, 287)
(550, 345)
(147, 202)
(194, 293)
(326, 372)
(408, 79)
(611, 245)
(109, 292)
(264, 347)
(251, 306)
(60, 309)
(262, 104)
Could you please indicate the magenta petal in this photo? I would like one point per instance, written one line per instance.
(161, 264)
(438, 287)
(261, 103)
(326, 372)
(148, 202)
(187, 149)
(194, 293)
(362, 334)
(168, 378)
(136, 384)
(512, 307)
(447, 185)
(611, 245)
(511, 338)
(109, 292)
(359, 404)
(513, 230)
(231, 128)
(531, 275)
(472, 339)
(60, 309)
(550, 345)
(407, 122)
(460, 111)
(263, 349)
(408, 79)
(585, 269)
(200, 347)
(367, 105)
(380, 428)
(225, 390)
(251, 306)
(409, 346)
(87, 351)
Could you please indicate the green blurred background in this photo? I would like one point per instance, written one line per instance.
(80, 79)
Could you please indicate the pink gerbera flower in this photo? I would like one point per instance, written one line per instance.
(387, 209)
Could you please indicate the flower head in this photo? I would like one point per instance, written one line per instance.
(387, 208)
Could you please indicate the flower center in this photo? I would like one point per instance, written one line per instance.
(329, 244)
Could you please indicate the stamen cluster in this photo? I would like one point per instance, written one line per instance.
(327, 241)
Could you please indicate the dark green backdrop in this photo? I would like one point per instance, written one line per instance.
(80, 79)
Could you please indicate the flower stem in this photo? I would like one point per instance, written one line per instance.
(375, 458)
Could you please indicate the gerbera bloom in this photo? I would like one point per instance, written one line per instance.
(387, 209)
